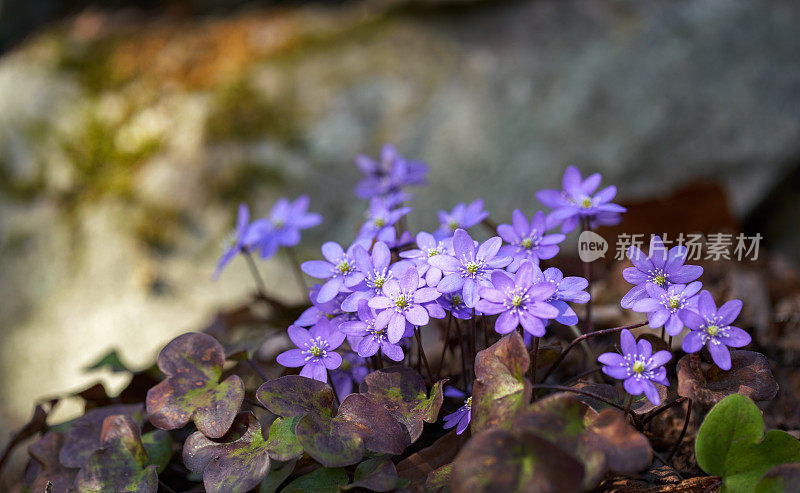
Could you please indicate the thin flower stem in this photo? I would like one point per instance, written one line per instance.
(584, 337)
(655, 412)
(461, 342)
(587, 273)
(335, 395)
(298, 272)
(670, 343)
(473, 336)
(445, 345)
(534, 354)
(628, 406)
(578, 391)
(663, 333)
(422, 355)
(262, 288)
(254, 403)
(256, 369)
(485, 332)
(583, 374)
(683, 431)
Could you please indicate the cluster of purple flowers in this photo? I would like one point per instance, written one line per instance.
(667, 290)
(384, 287)
(266, 235)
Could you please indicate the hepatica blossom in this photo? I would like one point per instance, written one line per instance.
(578, 200)
(527, 239)
(569, 288)
(403, 301)
(367, 335)
(339, 268)
(469, 267)
(243, 238)
(287, 219)
(316, 353)
(712, 328)
(462, 216)
(375, 268)
(388, 175)
(663, 306)
(461, 418)
(662, 267)
(637, 367)
(518, 300)
(427, 247)
(381, 219)
(454, 303)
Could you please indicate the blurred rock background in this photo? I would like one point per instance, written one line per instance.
(128, 136)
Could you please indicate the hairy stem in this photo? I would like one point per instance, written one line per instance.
(256, 369)
(683, 431)
(298, 272)
(445, 345)
(584, 337)
(422, 355)
(262, 288)
(655, 412)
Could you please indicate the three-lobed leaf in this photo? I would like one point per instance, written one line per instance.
(192, 390)
(706, 384)
(237, 462)
(731, 444)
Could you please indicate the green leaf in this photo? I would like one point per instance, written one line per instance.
(322, 480)
(501, 389)
(378, 474)
(158, 444)
(784, 477)
(193, 365)
(276, 477)
(112, 361)
(731, 444)
(282, 443)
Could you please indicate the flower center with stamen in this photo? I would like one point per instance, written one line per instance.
(516, 300)
(674, 302)
(527, 243)
(659, 279)
(433, 252)
(456, 301)
(380, 222)
(378, 281)
(586, 202)
(278, 223)
(472, 268)
(712, 330)
(468, 402)
(638, 367)
(344, 267)
(453, 225)
(401, 302)
(316, 351)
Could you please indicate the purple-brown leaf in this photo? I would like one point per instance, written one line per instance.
(294, 395)
(236, 462)
(193, 365)
(706, 384)
(627, 451)
(45, 451)
(83, 438)
(121, 463)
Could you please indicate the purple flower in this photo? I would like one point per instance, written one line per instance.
(713, 328)
(576, 200)
(428, 247)
(243, 238)
(454, 303)
(462, 216)
(376, 272)
(469, 267)
(518, 300)
(662, 268)
(381, 220)
(663, 305)
(403, 301)
(637, 366)
(391, 174)
(339, 270)
(460, 419)
(367, 334)
(353, 369)
(527, 239)
(317, 350)
(567, 289)
(287, 219)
